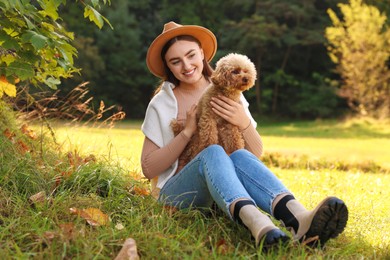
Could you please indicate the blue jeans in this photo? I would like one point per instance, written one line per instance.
(214, 176)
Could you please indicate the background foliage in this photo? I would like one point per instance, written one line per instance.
(360, 47)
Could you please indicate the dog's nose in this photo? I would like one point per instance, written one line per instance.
(245, 79)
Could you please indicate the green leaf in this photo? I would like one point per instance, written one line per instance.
(8, 58)
(37, 40)
(108, 22)
(52, 82)
(94, 16)
(30, 25)
(95, 2)
(17, 4)
(8, 42)
(21, 70)
(67, 51)
(50, 8)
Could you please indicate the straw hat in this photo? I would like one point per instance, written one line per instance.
(206, 38)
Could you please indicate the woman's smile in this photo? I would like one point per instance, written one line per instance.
(189, 73)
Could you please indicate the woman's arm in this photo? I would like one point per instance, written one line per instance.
(253, 141)
(236, 114)
(155, 160)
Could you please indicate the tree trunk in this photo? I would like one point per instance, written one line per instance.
(276, 87)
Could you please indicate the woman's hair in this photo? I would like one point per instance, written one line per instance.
(207, 70)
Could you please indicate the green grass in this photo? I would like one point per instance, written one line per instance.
(314, 141)
(353, 141)
(308, 155)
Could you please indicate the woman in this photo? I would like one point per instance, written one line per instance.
(239, 184)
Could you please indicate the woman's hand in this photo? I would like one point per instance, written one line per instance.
(231, 111)
(191, 124)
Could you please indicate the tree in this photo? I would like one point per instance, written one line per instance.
(113, 61)
(285, 40)
(121, 51)
(359, 45)
(34, 46)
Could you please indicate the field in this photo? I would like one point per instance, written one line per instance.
(347, 159)
(352, 142)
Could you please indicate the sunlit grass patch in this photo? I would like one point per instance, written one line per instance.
(124, 143)
(354, 128)
(355, 151)
(115, 145)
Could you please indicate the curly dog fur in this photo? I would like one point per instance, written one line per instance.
(233, 74)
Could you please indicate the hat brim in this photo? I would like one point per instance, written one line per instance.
(206, 38)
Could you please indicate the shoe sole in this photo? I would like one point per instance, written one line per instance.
(328, 222)
(273, 239)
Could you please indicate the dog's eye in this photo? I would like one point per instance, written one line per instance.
(236, 71)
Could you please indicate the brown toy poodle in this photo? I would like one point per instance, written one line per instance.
(233, 74)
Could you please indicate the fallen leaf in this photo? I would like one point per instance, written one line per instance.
(66, 174)
(94, 216)
(222, 247)
(68, 230)
(10, 135)
(75, 160)
(38, 197)
(49, 235)
(23, 147)
(119, 226)
(90, 158)
(58, 180)
(170, 209)
(141, 191)
(128, 251)
(28, 132)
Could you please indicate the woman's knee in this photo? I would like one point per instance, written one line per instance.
(241, 155)
(214, 150)
(214, 157)
(243, 159)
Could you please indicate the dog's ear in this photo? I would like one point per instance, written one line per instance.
(220, 75)
(215, 79)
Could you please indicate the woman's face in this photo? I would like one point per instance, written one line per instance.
(185, 60)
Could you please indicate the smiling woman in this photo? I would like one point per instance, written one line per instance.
(179, 56)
